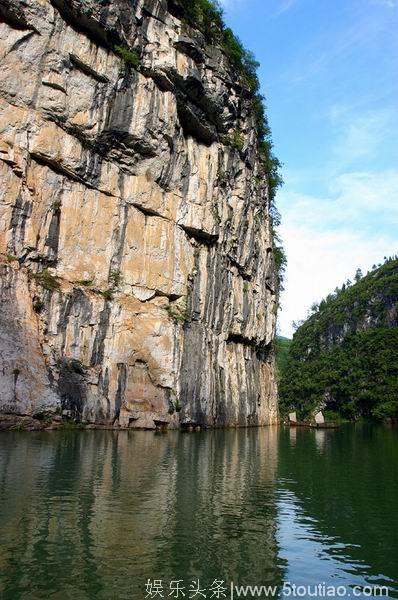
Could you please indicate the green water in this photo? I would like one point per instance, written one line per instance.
(96, 514)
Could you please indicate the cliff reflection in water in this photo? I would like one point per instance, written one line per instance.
(95, 514)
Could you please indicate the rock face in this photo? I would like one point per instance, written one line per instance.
(137, 280)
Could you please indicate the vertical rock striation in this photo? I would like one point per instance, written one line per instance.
(137, 280)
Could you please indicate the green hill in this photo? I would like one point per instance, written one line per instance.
(282, 345)
(344, 358)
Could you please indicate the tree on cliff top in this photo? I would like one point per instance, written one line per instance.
(207, 16)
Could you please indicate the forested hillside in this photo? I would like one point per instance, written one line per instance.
(344, 358)
(282, 345)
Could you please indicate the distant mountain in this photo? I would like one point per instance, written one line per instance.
(344, 358)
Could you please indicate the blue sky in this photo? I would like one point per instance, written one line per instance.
(329, 71)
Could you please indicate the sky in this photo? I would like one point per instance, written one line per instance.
(329, 71)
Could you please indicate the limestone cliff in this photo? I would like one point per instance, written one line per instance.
(137, 275)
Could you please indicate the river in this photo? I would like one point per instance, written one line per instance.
(130, 514)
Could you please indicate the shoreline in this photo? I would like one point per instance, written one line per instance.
(12, 422)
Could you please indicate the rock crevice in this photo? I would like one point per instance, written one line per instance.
(137, 279)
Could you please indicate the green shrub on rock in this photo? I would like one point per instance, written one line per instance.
(129, 56)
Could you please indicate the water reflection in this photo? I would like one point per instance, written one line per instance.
(337, 505)
(313, 558)
(98, 513)
(320, 439)
(225, 515)
(95, 514)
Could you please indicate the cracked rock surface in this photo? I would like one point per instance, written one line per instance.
(137, 280)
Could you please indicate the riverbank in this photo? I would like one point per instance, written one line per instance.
(12, 422)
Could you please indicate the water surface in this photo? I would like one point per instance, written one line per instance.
(95, 514)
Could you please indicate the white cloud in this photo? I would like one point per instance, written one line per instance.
(361, 135)
(352, 225)
(354, 197)
(285, 5)
(324, 52)
(389, 3)
(362, 193)
(327, 239)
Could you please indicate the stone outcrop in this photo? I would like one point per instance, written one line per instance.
(137, 281)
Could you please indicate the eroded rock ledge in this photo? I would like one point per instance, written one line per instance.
(137, 282)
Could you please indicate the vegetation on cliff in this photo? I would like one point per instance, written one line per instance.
(207, 16)
(344, 358)
(112, 291)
